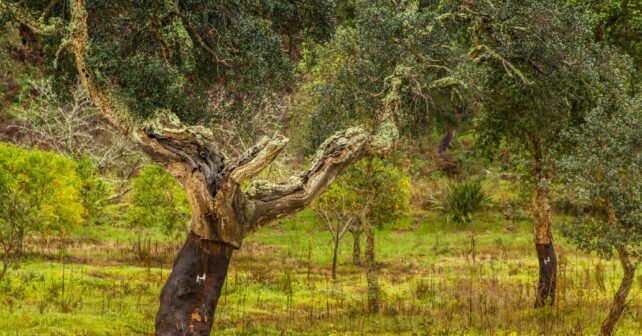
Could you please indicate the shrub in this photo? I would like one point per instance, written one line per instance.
(158, 201)
(463, 200)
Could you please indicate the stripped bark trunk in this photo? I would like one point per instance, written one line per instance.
(619, 301)
(190, 295)
(547, 284)
(371, 267)
(542, 221)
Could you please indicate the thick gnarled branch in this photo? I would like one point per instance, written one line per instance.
(257, 158)
(79, 43)
(267, 201)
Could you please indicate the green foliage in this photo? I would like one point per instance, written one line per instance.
(535, 64)
(397, 56)
(618, 23)
(94, 192)
(157, 200)
(603, 174)
(39, 196)
(45, 185)
(374, 184)
(463, 200)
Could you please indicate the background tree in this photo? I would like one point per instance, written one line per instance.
(331, 210)
(604, 173)
(157, 200)
(538, 61)
(619, 24)
(39, 195)
(379, 194)
(396, 56)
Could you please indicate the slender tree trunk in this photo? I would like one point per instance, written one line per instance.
(190, 295)
(547, 284)
(335, 251)
(5, 265)
(619, 301)
(371, 267)
(473, 243)
(356, 245)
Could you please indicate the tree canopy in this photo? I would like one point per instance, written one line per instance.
(166, 55)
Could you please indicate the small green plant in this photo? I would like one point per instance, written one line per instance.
(461, 202)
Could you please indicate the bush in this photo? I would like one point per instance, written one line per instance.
(158, 201)
(463, 200)
(39, 195)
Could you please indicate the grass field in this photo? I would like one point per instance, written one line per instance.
(106, 280)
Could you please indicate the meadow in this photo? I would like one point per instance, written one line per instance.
(105, 280)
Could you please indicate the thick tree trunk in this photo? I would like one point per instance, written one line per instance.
(619, 301)
(371, 267)
(190, 295)
(356, 245)
(542, 223)
(547, 284)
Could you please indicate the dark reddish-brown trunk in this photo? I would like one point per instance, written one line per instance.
(547, 283)
(188, 299)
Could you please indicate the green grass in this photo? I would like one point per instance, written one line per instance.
(112, 281)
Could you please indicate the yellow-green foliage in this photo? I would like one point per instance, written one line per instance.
(158, 201)
(374, 183)
(42, 191)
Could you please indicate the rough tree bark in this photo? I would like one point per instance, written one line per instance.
(619, 301)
